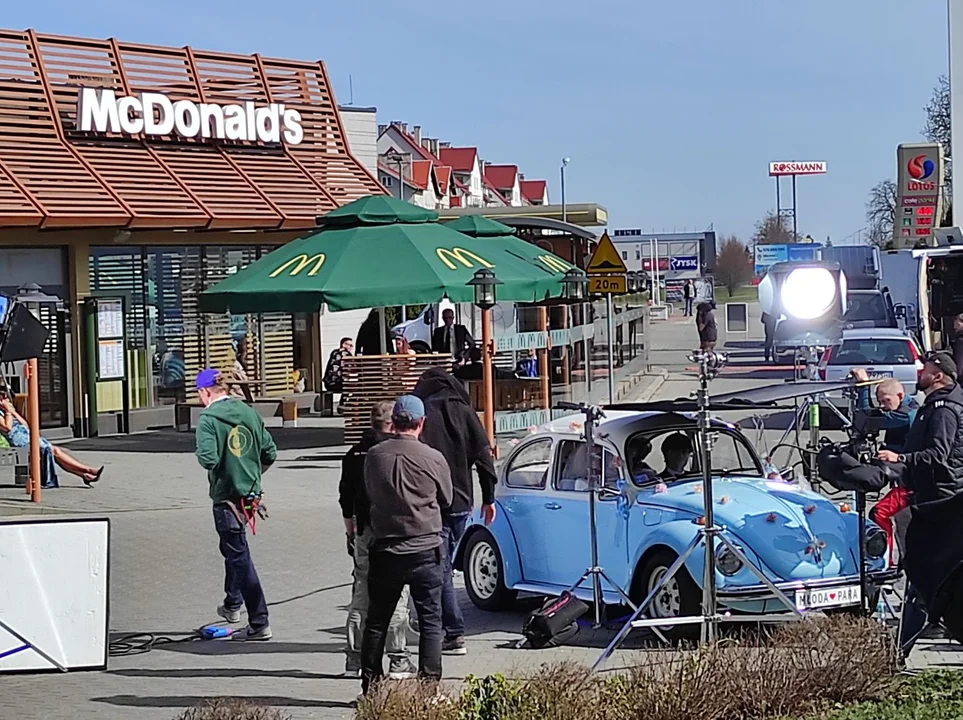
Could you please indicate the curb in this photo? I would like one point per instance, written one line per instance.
(659, 376)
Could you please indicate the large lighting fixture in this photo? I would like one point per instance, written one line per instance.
(807, 299)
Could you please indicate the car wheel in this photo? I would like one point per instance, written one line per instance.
(420, 348)
(485, 574)
(679, 597)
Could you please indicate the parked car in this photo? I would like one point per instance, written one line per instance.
(539, 542)
(881, 352)
(870, 309)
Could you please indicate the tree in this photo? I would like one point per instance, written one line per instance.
(938, 129)
(733, 264)
(772, 230)
(881, 213)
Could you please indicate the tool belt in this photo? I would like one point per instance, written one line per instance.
(248, 510)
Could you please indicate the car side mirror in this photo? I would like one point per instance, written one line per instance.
(900, 311)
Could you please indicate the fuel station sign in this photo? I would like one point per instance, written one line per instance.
(919, 194)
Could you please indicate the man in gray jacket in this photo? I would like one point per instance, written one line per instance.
(408, 485)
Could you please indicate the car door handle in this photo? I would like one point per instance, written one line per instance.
(553, 506)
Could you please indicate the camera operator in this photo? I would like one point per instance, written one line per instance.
(898, 413)
(932, 456)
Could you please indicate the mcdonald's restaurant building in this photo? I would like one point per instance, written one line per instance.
(148, 174)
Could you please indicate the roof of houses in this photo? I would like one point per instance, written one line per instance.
(533, 190)
(411, 180)
(502, 176)
(461, 160)
(421, 173)
(443, 173)
(495, 194)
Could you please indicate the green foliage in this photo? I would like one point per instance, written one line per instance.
(231, 709)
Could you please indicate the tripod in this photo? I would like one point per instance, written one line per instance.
(709, 534)
(592, 416)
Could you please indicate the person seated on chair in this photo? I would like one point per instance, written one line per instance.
(677, 452)
(638, 449)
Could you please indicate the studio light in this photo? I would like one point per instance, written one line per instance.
(807, 299)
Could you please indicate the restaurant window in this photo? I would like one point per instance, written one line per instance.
(170, 340)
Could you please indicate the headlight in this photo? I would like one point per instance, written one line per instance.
(808, 292)
(726, 561)
(876, 543)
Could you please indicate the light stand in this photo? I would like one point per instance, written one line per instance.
(592, 416)
(710, 363)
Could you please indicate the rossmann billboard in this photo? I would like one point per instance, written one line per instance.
(919, 193)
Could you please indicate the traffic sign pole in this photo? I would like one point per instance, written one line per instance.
(611, 325)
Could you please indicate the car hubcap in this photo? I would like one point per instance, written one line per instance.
(483, 567)
(668, 601)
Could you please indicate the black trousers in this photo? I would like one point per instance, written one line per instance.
(388, 573)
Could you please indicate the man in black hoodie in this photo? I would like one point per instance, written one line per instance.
(932, 456)
(452, 427)
(355, 509)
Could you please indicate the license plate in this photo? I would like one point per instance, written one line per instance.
(831, 597)
(880, 374)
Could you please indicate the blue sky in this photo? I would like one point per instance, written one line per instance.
(669, 111)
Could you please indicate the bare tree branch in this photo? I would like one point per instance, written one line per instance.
(938, 129)
(881, 213)
(733, 264)
(773, 230)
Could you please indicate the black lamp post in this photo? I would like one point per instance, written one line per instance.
(575, 283)
(484, 282)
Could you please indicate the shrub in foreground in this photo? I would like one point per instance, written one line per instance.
(232, 709)
(804, 668)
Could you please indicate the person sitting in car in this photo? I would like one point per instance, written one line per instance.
(638, 449)
(677, 452)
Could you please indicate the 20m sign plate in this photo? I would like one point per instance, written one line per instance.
(607, 284)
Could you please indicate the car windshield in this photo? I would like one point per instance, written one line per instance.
(671, 455)
(862, 308)
(891, 351)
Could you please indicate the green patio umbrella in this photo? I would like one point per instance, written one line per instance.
(378, 251)
(499, 235)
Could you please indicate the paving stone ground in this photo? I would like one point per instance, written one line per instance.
(166, 578)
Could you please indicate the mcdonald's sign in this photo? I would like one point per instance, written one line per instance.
(554, 264)
(299, 262)
(461, 255)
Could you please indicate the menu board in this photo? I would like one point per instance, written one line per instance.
(110, 359)
(110, 318)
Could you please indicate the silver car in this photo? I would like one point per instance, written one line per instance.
(881, 352)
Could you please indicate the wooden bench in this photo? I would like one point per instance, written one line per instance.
(512, 395)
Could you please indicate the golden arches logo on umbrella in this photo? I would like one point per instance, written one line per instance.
(239, 441)
(461, 255)
(299, 262)
(554, 264)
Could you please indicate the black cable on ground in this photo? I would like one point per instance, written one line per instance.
(140, 643)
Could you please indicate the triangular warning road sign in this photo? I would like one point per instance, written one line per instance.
(605, 259)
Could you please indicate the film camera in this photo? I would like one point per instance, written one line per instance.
(852, 466)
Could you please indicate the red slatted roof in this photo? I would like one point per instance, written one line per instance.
(53, 175)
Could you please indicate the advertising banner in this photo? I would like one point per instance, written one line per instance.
(768, 255)
(685, 263)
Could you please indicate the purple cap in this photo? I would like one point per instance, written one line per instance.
(207, 378)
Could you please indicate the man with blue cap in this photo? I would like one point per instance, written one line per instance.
(234, 447)
(408, 485)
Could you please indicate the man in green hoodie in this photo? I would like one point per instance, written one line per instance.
(234, 447)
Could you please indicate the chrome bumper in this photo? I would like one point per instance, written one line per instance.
(761, 592)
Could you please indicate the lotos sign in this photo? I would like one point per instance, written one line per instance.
(100, 110)
(797, 168)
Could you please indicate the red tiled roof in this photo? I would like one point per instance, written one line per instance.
(421, 173)
(443, 173)
(494, 190)
(533, 190)
(418, 147)
(393, 172)
(459, 159)
(502, 176)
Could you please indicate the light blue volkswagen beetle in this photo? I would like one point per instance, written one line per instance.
(649, 509)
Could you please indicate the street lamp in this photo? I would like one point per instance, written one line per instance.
(565, 162)
(574, 284)
(483, 282)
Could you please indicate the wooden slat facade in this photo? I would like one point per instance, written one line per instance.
(54, 176)
(371, 378)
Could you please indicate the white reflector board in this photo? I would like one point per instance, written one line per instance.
(53, 594)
